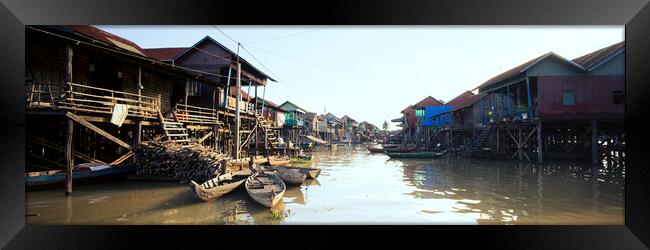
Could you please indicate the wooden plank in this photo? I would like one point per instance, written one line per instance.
(69, 158)
(205, 137)
(98, 130)
(122, 158)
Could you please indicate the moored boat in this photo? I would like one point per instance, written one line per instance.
(312, 173)
(415, 155)
(265, 188)
(55, 177)
(273, 161)
(291, 176)
(305, 157)
(215, 187)
(376, 150)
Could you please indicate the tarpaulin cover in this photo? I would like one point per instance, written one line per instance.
(431, 111)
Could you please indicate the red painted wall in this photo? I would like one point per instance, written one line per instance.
(593, 97)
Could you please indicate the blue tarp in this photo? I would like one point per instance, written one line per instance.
(431, 111)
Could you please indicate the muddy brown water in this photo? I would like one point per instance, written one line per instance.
(356, 187)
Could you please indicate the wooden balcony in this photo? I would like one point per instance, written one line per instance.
(87, 99)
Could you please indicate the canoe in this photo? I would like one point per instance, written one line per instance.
(215, 188)
(291, 176)
(415, 155)
(265, 188)
(278, 161)
(312, 173)
(59, 177)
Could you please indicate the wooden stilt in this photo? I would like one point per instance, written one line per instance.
(237, 111)
(539, 143)
(594, 142)
(69, 158)
(519, 142)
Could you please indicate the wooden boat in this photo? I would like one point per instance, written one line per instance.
(415, 155)
(312, 173)
(216, 187)
(376, 150)
(305, 157)
(278, 161)
(261, 160)
(265, 188)
(400, 150)
(55, 177)
(291, 176)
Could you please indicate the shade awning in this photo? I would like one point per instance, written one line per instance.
(315, 139)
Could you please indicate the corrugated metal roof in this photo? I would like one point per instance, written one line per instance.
(232, 54)
(106, 37)
(523, 67)
(467, 101)
(458, 100)
(164, 54)
(428, 101)
(596, 58)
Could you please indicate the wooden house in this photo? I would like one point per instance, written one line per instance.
(220, 63)
(108, 86)
(311, 123)
(568, 98)
(120, 94)
(294, 121)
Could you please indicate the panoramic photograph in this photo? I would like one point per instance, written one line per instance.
(274, 125)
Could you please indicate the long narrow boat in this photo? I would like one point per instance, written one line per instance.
(415, 155)
(376, 150)
(290, 176)
(215, 187)
(59, 177)
(400, 150)
(278, 161)
(265, 188)
(312, 173)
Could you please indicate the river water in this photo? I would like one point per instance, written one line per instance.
(356, 187)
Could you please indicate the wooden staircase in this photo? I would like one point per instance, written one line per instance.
(473, 147)
(271, 133)
(174, 130)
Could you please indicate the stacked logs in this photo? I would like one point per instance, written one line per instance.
(169, 159)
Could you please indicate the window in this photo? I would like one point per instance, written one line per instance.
(618, 97)
(568, 99)
(193, 88)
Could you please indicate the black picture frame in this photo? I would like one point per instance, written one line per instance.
(635, 15)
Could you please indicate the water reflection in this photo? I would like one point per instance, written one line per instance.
(356, 187)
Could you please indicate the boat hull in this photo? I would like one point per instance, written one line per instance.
(278, 162)
(414, 155)
(206, 193)
(267, 196)
(291, 176)
(44, 180)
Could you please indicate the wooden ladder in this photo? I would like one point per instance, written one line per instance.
(271, 134)
(174, 130)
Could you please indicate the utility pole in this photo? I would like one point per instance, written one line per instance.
(237, 118)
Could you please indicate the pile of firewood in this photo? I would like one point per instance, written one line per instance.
(169, 159)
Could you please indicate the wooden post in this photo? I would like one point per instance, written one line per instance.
(520, 143)
(539, 143)
(69, 157)
(530, 101)
(237, 118)
(226, 93)
(498, 144)
(594, 142)
(258, 131)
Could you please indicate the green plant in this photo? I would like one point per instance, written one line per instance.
(276, 214)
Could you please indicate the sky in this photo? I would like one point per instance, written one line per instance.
(371, 73)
